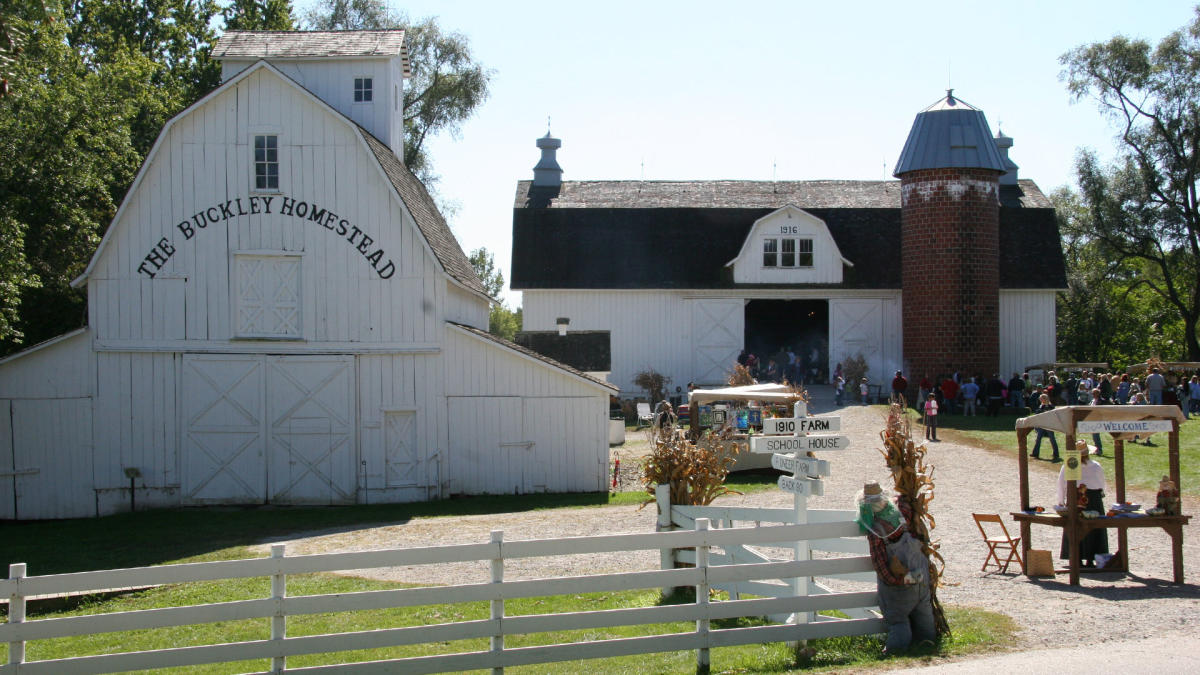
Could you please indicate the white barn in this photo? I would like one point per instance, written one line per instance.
(686, 274)
(279, 314)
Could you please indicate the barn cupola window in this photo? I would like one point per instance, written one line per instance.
(787, 252)
(363, 90)
(266, 162)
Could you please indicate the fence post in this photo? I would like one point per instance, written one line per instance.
(279, 620)
(16, 613)
(702, 656)
(497, 640)
(662, 498)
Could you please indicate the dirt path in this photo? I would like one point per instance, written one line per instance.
(968, 479)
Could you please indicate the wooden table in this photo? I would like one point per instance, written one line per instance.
(1172, 525)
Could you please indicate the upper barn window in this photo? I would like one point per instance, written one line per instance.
(266, 162)
(363, 90)
(770, 255)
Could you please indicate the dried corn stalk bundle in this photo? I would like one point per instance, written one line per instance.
(913, 480)
(695, 471)
(741, 377)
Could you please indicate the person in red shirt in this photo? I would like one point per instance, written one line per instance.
(899, 385)
(950, 395)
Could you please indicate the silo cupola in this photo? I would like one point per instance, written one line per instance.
(548, 173)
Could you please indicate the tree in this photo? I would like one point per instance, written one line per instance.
(502, 321)
(1144, 208)
(1103, 316)
(258, 15)
(446, 87)
(68, 157)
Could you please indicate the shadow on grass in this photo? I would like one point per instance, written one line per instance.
(170, 535)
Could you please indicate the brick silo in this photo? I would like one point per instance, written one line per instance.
(949, 175)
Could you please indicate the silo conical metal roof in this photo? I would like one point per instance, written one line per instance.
(950, 134)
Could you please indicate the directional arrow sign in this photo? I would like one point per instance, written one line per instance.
(801, 425)
(773, 444)
(800, 465)
(801, 486)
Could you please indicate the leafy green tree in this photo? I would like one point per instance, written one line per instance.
(1103, 315)
(502, 321)
(68, 157)
(174, 35)
(446, 87)
(258, 15)
(1144, 208)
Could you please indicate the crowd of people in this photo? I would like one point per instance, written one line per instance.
(787, 364)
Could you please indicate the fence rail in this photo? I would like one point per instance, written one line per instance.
(17, 631)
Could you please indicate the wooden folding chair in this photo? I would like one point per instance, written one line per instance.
(998, 544)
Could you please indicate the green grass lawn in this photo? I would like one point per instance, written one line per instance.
(1144, 465)
(973, 631)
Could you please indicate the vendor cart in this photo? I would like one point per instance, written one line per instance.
(717, 407)
(1064, 420)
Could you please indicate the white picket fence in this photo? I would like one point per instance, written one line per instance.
(685, 517)
(279, 606)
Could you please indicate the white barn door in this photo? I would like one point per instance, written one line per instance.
(856, 327)
(718, 331)
(269, 428)
(488, 449)
(310, 408)
(224, 431)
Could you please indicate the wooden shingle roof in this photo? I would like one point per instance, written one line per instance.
(429, 220)
(294, 44)
(741, 194)
(681, 234)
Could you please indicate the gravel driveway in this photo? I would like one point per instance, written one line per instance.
(968, 479)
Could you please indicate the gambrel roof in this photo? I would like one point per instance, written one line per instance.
(681, 234)
(409, 189)
(293, 44)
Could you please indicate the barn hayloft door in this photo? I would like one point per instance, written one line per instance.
(717, 332)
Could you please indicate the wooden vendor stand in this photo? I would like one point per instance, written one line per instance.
(1063, 420)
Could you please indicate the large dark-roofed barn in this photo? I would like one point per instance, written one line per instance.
(952, 268)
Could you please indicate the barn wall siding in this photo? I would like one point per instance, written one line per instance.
(203, 169)
(519, 425)
(660, 329)
(1027, 329)
(56, 370)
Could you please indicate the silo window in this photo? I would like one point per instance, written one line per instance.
(362, 89)
(770, 252)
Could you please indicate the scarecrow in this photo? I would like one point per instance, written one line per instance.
(902, 569)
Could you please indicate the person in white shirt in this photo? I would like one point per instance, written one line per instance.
(1092, 480)
(931, 416)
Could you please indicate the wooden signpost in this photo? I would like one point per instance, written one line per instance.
(790, 435)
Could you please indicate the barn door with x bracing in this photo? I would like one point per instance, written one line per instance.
(718, 328)
(224, 434)
(269, 428)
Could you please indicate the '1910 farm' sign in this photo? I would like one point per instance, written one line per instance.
(158, 256)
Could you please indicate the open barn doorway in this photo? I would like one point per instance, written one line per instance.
(772, 326)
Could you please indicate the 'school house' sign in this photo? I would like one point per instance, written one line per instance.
(162, 251)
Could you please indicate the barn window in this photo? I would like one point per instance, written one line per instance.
(787, 253)
(363, 90)
(268, 296)
(770, 252)
(266, 162)
(805, 258)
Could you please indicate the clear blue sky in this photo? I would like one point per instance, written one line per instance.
(708, 90)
